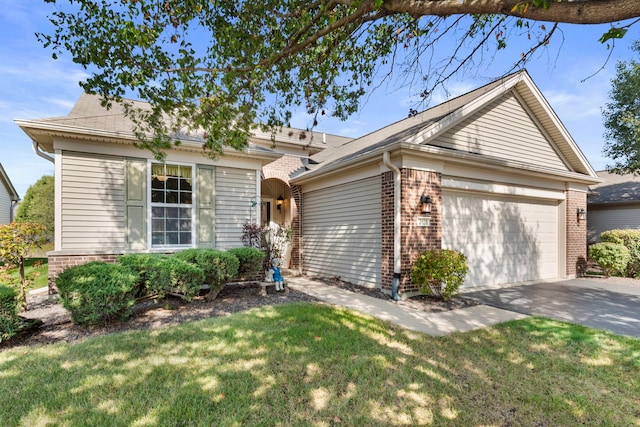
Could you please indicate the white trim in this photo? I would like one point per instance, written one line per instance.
(149, 207)
(451, 183)
(58, 200)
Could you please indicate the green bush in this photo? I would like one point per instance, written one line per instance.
(186, 278)
(9, 319)
(96, 292)
(631, 239)
(218, 266)
(154, 274)
(250, 259)
(439, 272)
(611, 257)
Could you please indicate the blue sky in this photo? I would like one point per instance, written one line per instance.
(33, 85)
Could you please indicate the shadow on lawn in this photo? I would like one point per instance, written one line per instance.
(310, 364)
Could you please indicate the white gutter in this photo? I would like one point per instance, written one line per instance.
(397, 267)
(36, 149)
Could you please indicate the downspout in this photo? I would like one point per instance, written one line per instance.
(397, 268)
(36, 149)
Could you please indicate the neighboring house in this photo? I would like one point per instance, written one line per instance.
(492, 173)
(8, 198)
(613, 203)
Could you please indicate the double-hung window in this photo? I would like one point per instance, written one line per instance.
(171, 205)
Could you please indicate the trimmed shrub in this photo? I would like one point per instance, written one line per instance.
(9, 319)
(251, 261)
(439, 272)
(631, 239)
(186, 278)
(154, 274)
(218, 266)
(611, 257)
(97, 291)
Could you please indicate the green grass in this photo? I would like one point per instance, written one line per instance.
(314, 365)
(38, 267)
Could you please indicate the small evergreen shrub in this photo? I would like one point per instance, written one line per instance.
(9, 319)
(186, 278)
(250, 261)
(611, 257)
(153, 271)
(631, 239)
(218, 266)
(97, 291)
(439, 272)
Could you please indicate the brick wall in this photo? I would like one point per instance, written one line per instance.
(283, 167)
(414, 238)
(387, 230)
(576, 233)
(296, 226)
(57, 263)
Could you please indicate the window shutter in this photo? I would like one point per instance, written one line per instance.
(206, 206)
(136, 194)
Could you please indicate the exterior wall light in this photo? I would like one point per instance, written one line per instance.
(425, 204)
(279, 202)
(581, 214)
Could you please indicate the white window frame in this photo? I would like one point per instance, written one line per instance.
(151, 205)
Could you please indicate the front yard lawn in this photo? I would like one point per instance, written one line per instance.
(311, 364)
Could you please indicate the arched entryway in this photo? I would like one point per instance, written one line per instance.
(276, 207)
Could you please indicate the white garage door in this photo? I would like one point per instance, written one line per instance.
(342, 232)
(506, 240)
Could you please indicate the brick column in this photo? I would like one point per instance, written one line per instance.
(416, 239)
(296, 226)
(57, 263)
(576, 233)
(387, 231)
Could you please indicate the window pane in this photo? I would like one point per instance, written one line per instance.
(172, 213)
(157, 184)
(157, 238)
(172, 224)
(172, 197)
(185, 238)
(185, 198)
(157, 225)
(172, 184)
(172, 239)
(157, 196)
(185, 225)
(157, 212)
(185, 212)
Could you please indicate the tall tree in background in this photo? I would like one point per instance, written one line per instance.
(38, 205)
(622, 117)
(218, 67)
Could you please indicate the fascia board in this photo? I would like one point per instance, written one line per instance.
(56, 131)
(558, 124)
(455, 117)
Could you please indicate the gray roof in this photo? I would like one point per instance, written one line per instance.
(615, 189)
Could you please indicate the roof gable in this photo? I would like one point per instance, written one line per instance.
(503, 129)
(511, 100)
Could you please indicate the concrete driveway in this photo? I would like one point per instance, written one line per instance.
(587, 302)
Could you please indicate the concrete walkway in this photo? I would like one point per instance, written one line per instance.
(436, 324)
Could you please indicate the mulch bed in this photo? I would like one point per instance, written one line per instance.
(57, 325)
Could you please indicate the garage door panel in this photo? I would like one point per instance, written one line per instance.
(344, 238)
(506, 240)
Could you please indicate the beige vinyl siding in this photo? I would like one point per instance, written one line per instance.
(505, 239)
(93, 208)
(5, 205)
(611, 218)
(235, 189)
(342, 232)
(504, 130)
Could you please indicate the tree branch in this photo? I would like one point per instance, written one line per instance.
(568, 11)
